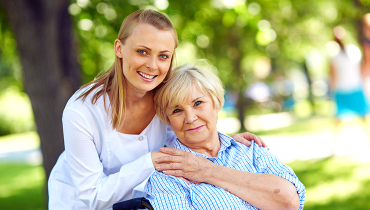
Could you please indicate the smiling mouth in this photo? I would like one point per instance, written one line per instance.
(195, 129)
(147, 76)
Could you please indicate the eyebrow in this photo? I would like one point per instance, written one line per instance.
(197, 99)
(151, 49)
(191, 101)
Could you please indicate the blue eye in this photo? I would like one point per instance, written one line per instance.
(164, 56)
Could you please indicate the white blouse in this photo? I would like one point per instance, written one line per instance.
(101, 166)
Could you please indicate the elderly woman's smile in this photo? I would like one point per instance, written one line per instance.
(194, 120)
(195, 129)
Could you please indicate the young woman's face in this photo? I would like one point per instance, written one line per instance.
(146, 57)
(195, 120)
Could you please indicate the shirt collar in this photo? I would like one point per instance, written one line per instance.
(226, 142)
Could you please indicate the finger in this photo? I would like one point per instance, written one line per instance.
(172, 151)
(168, 159)
(263, 143)
(251, 136)
(171, 166)
(177, 173)
(241, 140)
(195, 182)
(185, 180)
(258, 141)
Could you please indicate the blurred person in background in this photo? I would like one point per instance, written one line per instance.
(346, 82)
(366, 51)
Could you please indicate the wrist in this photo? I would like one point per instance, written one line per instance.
(210, 173)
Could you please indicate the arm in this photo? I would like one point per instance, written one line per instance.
(259, 189)
(365, 70)
(264, 191)
(332, 77)
(96, 187)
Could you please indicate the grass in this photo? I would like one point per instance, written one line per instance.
(22, 187)
(334, 183)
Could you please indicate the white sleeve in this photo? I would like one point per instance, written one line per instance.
(92, 185)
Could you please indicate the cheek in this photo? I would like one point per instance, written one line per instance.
(164, 68)
(176, 124)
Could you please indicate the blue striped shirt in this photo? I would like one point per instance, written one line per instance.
(169, 192)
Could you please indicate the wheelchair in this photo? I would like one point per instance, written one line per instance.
(133, 204)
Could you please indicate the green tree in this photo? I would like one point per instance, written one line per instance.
(49, 64)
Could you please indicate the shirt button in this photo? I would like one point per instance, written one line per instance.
(141, 138)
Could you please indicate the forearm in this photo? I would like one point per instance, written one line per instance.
(264, 191)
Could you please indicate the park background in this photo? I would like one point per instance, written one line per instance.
(272, 56)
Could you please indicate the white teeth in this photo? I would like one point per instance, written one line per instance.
(146, 76)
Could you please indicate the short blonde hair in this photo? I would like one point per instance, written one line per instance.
(181, 81)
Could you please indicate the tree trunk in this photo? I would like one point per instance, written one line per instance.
(311, 97)
(234, 40)
(49, 64)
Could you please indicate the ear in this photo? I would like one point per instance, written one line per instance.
(118, 48)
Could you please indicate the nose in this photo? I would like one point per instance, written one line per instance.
(151, 63)
(190, 116)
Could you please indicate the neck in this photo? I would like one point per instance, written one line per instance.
(210, 147)
(134, 97)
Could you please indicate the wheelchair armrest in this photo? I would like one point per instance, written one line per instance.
(133, 204)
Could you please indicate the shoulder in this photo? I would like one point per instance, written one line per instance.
(84, 109)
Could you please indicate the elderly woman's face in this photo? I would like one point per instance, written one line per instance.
(194, 121)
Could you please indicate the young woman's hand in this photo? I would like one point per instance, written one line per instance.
(246, 138)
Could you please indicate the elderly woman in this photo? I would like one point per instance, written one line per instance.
(237, 176)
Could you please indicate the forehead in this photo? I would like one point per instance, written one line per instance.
(195, 92)
(187, 96)
(149, 36)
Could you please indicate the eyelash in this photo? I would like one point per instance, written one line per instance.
(166, 56)
(174, 111)
(197, 103)
(143, 52)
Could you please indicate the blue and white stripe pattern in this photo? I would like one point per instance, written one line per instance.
(169, 192)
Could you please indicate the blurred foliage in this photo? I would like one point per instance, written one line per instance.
(235, 36)
(16, 114)
(244, 41)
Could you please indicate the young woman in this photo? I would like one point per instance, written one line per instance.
(110, 126)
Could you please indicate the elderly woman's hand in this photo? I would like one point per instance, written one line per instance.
(246, 138)
(185, 165)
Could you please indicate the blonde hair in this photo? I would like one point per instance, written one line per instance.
(113, 79)
(182, 80)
